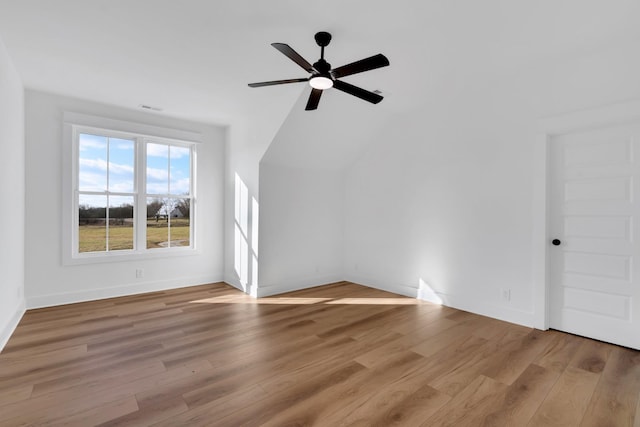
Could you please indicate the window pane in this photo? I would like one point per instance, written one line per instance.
(180, 223)
(120, 223)
(92, 229)
(157, 223)
(180, 174)
(121, 162)
(157, 169)
(92, 163)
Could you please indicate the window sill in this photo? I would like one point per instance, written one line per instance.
(128, 256)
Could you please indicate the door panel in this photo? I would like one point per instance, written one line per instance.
(594, 206)
(598, 227)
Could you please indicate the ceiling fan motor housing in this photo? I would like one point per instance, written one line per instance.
(322, 66)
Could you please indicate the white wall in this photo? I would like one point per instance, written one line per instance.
(444, 198)
(301, 228)
(248, 138)
(48, 281)
(12, 189)
(302, 190)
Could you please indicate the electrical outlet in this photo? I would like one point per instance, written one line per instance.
(139, 273)
(505, 294)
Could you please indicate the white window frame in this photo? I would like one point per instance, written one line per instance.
(74, 125)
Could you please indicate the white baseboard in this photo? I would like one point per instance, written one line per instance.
(297, 284)
(396, 288)
(500, 312)
(10, 327)
(234, 282)
(50, 300)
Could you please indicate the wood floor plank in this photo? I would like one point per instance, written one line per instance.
(48, 341)
(147, 415)
(567, 402)
(99, 415)
(260, 412)
(615, 400)
(15, 394)
(559, 351)
(523, 398)
(159, 409)
(407, 341)
(477, 399)
(55, 407)
(317, 366)
(406, 408)
(119, 373)
(490, 329)
(453, 380)
(237, 374)
(318, 407)
(383, 353)
(217, 412)
(591, 356)
(405, 400)
(445, 339)
(452, 358)
(340, 354)
(424, 315)
(517, 356)
(20, 365)
(93, 393)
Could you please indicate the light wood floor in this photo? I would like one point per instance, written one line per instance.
(335, 355)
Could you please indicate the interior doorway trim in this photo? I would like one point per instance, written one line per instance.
(610, 115)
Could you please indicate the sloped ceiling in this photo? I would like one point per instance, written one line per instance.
(332, 137)
(194, 58)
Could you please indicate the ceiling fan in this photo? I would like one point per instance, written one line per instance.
(324, 77)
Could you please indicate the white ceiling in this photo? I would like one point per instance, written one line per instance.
(194, 58)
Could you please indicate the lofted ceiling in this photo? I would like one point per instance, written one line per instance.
(194, 58)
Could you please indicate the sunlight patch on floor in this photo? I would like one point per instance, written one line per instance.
(376, 301)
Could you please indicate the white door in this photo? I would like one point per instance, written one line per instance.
(595, 222)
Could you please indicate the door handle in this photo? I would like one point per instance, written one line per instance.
(556, 242)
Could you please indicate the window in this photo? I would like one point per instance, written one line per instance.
(133, 193)
(168, 196)
(106, 193)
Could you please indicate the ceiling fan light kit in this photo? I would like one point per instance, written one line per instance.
(320, 82)
(324, 77)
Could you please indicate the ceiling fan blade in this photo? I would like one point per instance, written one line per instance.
(294, 56)
(374, 98)
(277, 82)
(314, 99)
(371, 63)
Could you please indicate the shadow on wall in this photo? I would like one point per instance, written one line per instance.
(246, 238)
